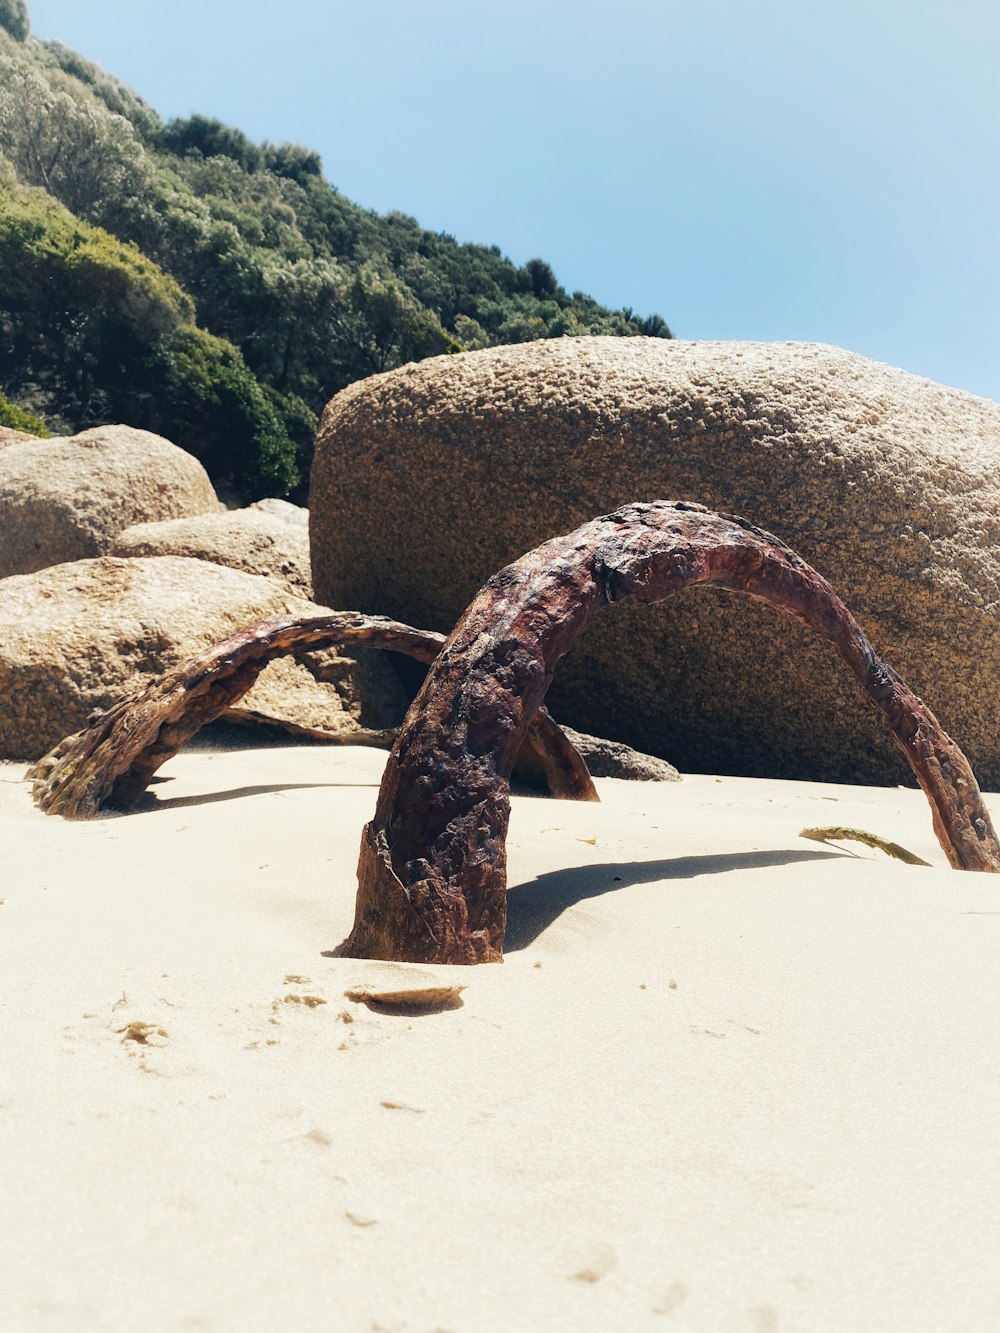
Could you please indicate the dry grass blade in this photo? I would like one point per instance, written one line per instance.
(837, 833)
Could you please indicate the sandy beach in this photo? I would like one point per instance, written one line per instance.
(726, 1079)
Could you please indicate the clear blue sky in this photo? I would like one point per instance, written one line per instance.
(780, 169)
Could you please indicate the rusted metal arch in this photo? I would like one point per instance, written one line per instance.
(432, 869)
(111, 762)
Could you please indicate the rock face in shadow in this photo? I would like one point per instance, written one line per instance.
(247, 539)
(611, 759)
(430, 478)
(75, 637)
(66, 499)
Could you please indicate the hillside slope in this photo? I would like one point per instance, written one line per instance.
(184, 279)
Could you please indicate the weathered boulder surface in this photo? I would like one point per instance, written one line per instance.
(76, 636)
(430, 478)
(612, 759)
(245, 539)
(8, 435)
(68, 498)
(283, 509)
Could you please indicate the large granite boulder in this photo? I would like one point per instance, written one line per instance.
(75, 636)
(248, 539)
(67, 498)
(428, 479)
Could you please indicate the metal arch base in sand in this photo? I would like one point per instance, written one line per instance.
(432, 869)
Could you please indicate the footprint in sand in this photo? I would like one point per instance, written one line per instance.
(764, 1319)
(314, 1138)
(144, 1034)
(672, 1298)
(299, 999)
(599, 1260)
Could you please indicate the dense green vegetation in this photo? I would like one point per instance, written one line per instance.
(14, 17)
(184, 279)
(17, 418)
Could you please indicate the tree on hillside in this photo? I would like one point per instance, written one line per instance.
(542, 279)
(208, 137)
(14, 17)
(61, 137)
(116, 96)
(292, 161)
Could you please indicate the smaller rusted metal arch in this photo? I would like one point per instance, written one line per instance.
(432, 869)
(111, 763)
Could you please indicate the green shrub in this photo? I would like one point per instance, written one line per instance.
(18, 419)
(300, 423)
(107, 335)
(208, 137)
(52, 260)
(203, 397)
(118, 97)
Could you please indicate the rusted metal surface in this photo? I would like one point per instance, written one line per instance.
(111, 762)
(432, 868)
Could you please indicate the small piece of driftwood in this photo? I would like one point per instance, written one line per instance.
(111, 763)
(432, 869)
(838, 833)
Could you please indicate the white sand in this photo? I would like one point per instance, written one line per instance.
(725, 1080)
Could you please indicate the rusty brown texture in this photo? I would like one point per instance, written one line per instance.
(111, 763)
(432, 868)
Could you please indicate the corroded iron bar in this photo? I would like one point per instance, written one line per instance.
(432, 868)
(111, 762)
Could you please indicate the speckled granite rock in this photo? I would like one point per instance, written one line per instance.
(246, 539)
(611, 759)
(8, 435)
(68, 498)
(283, 509)
(430, 478)
(75, 636)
